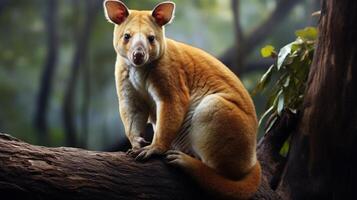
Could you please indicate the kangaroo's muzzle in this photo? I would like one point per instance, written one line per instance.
(139, 56)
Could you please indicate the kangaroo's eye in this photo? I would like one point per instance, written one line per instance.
(127, 36)
(151, 38)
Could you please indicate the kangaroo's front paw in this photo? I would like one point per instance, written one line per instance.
(149, 151)
(136, 145)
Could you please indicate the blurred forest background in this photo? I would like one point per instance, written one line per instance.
(57, 59)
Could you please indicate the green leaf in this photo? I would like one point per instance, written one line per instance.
(271, 123)
(267, 51)
(287, 81)
(267, 75)
(283, 53)
(291, 70)
(297, 44)
(285, 149)
(295, 47)
(305, 55)
(277, 96)
(264, 80)
(271, 98)
(280, 104)
(266, 113)
(294, 111)
(308, 33)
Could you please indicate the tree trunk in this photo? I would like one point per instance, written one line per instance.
(322, 158)
(45, 91)
(69, 114)
(332, 89)
(86, 95)
(239, 60)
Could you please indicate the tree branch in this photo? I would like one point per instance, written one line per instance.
(258, 35)
(71, 173)
(238, 61)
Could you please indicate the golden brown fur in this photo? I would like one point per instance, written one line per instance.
(187, 94)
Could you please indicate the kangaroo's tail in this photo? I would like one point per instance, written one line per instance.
(224, 188)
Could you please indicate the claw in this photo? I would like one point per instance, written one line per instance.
(134, 152)
(142, 156)
(129, 152)
(147, 152)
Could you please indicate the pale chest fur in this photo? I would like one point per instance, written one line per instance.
(137, 78)
(133, 80)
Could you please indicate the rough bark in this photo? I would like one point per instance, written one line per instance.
(36, 172)
(330, 116)
(322, 157)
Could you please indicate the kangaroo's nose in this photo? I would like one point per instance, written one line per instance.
(138, 56)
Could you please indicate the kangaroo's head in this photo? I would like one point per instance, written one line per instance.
(139, 36)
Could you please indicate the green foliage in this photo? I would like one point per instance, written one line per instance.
(285, 148)
(286, 79)
(308, 33)
(268, 51)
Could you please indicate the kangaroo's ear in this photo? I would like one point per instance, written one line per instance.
(115, 11)
(164, 12)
